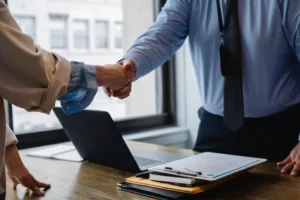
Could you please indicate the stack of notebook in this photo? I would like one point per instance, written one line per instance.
(174, 179)
(184, 178)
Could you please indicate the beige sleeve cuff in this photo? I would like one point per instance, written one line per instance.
(10, 137)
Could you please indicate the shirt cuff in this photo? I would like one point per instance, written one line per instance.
(71, 107)
(82, 88)
(10, 137)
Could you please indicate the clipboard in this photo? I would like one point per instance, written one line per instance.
(211, 166)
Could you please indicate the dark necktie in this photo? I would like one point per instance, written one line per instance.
(231, 66)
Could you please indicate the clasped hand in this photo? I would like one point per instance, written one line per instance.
(116, 79)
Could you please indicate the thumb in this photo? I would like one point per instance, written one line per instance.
(15, 182)
(129, 68)
(107, 91)
(284, 162)
(15, 185)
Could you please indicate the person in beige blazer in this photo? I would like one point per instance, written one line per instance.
(34, 79)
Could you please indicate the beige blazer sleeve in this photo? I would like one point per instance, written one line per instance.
(30, 77)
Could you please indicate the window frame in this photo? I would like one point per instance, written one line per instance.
(33, 20)
(165, 119)
(94, 35)
(88, 34)
(65, 20)
(115, 23)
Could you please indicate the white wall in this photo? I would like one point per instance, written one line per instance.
(144, 88)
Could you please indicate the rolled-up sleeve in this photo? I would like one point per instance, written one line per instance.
(82, 88)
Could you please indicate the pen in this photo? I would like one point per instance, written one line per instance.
(143, 174)
(170, 169)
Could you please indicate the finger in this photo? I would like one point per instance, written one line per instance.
(107, 91)
(128, 65)
(15, 186)
(15, 182)
(36, 191)
(124, 97)
(284, 162)
(130, 75)
(288, 167)
(296, 169)
(121, 93)
(42, 185)
(121, 96)
(32, 186)
(129, 68)
(27, 192)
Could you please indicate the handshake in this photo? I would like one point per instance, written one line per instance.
(116, 79)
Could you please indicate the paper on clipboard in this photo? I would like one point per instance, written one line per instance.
(213, 166)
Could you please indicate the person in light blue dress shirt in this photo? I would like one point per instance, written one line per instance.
(270, 38)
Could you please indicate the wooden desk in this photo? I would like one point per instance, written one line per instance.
(90, 181)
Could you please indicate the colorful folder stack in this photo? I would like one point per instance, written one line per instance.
(184, 189)
(207, 170)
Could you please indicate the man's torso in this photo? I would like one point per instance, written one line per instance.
(271, 70)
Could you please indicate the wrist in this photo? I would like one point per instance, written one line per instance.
(13, 160)
(101, 74)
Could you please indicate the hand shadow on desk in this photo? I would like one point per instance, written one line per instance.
(238, 187)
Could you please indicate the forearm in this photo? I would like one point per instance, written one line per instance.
(12, 158)
(149, 52)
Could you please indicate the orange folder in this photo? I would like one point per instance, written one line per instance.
(190, 190)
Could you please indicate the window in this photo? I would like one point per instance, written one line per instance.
(81, 34)
(150, 102)
(27, 25)
(58, 31)
(118, 35)
(101, 34)
(114, 1)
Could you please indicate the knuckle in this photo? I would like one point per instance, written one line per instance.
(297, 165)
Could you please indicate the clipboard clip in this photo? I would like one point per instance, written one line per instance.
(180, 172)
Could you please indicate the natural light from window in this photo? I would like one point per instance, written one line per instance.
(94, 32)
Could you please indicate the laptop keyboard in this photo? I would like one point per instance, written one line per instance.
(145, 161)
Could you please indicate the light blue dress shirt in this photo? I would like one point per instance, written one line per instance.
(82, 88)
(271, 50)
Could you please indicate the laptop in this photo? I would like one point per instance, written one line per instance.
(97, 139)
